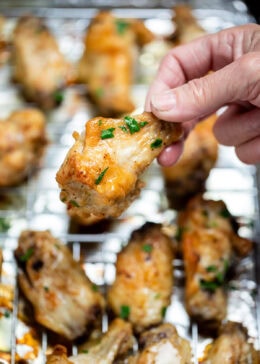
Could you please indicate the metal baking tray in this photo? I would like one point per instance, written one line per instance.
(36, 204)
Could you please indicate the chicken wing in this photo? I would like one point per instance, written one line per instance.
(144, 278)
(107, 64)
(64, 303)
(188, 176)
(231, 347)
(115, 342)
(38, 64)
(4, 43)
(100, 175)
(162, 345)
(206, 238)
(22, 143)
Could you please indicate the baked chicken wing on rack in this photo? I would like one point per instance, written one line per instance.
(38, 64)
(62, 296)
(209, 243)
(107, 64)
(162, 345)
(22, 144)
(144, 278)
(232, 346)
(117, 341)
(100, 175)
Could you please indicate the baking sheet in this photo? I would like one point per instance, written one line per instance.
(36, 204)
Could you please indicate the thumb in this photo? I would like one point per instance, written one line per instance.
(203, 96)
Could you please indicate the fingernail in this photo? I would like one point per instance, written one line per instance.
(164, 101)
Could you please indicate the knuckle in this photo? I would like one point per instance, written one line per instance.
(199, 92)
(250, 70)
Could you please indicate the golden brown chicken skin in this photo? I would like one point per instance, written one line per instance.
(144, 278)
(162, 345)
(107, 65)
(62, 296)
(100, 175)
(188, 176)
(115, 342)
(38, 64)
(22, 144)
(206, 238)
(231, 347)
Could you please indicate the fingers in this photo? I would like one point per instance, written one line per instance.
(249, 152)
(171, 154)
(235, 127)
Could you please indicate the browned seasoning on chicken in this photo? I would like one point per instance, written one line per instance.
(22, 143)
(162, 345)
(231, 347)
(61, 294)
(115, 342)
(144, 278)
(107, 64)
(207, 237)
(38, 64)
(100, 176)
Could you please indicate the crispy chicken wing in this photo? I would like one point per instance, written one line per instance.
(107, 65)
(22, 143)
(115, 342)
(162, 345)
(100, 175)
(62, 296)
(207, 236)
(231, 347)
(144, 278)
(39, 66)
(188, 176)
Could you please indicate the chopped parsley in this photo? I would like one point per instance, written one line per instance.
(121, 26)
(58, 96)
(107, 133)
(74, 203)
(6, 314)
(133, 125)
(99, 92)
(27, 255)
(99, 122)
(225, 213)
(157, 296)
(163, 311)
(100, 177)
(123, 128)
(210, 286)
(46, 289)
(212, 268)
(156, 144)
(124, 311)
(4, 224)
(94, 287)
(147, 248)
(85, 351)
(218, 280)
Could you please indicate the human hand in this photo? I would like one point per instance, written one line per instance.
(182, 93)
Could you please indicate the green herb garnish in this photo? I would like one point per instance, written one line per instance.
(99, 92)
(156, 144)
(100, 177)
(6, 314)
(74, 203)
(147, 248)
(4, 224)
(94, 287)
(107, 133)
(157, 296)
(124, 312)
(212, 268)
(46, 289)
(225, 213)
(123, 128)
(85, 351)
(58, 96)
(27, 255)
(99, 122)
(163, 311)
(121, 26)
(132, 124)
(210, 286)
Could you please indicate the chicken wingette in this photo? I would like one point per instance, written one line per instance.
(231, 347)
(62, 296)
(144, 278)
(38, 64)
(107, 64)
(115, 342)
(162, 345)
(188, 176)
(207, 239)
(22, 144)
(100, 175)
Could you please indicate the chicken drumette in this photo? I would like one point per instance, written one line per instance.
(63, 298)
(22, 143)
(100, 175)
(38, 64)
(144, 278)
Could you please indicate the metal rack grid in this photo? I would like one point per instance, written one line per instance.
(36, 205)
